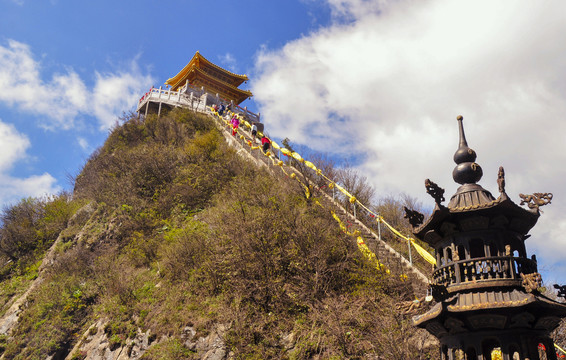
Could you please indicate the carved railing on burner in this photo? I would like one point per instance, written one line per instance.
(483, 269)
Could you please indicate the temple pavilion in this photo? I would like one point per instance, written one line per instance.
(200, 72)
(490, 304)
(198, 85)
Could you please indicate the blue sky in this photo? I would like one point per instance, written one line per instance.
(106, 54)
(374, 81)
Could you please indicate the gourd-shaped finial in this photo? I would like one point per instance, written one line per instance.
(467, 171)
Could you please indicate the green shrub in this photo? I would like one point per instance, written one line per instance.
(32, 225)
(170, 349)
(180, 231)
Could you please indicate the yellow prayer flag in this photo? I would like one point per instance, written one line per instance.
(311, 165)
(344, 191)
(297, 157)
(423, 253)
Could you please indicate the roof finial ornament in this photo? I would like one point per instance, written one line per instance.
(501, 179)
(467, 171)
(463, 142)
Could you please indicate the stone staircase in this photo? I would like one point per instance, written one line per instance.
(387, 255)
(392, 259)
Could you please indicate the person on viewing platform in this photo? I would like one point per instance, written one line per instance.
(254, 131)
(265, 143)
(234, 120)
(221, 110)
(235, 124)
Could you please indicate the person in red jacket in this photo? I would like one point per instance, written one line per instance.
(265, 143)
(235, 124)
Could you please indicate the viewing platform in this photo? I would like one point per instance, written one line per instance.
(157, 100)
(198, 85)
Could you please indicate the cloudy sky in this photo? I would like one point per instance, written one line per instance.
(378, 83)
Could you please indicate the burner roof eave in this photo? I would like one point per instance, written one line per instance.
(522, 219)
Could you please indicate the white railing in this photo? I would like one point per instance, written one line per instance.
(173, 98)
(193, 98)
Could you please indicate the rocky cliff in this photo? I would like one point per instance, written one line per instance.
(172, 246)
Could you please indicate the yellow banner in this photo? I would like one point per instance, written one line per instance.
(391, 228)
(423, 253)
(311, 165)
(297, 157)
(343, 226)
(420, 250)
(364, 249)
(344, 191)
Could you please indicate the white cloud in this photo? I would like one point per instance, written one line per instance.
(13, 189)
(59, 101)
(13, 148)
(355, 9)
(228, 61)
(83, 143)
(388, 79)
(65, 96)
(116, 92)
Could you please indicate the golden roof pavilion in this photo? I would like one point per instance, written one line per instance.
(200, 72)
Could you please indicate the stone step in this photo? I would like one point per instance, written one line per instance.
(386, 254)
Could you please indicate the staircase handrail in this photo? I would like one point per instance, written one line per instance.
(406, 263)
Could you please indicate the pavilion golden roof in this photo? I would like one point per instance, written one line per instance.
(201, 72)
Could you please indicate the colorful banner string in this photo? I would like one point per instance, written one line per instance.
(363, 248)
(331, 184)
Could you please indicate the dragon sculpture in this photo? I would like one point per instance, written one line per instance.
(435, 191)
(415, 218)
(536, 200)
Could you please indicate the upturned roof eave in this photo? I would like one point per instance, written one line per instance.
(176, 80)
(502, 205)
(516, 299)
(241, 94)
